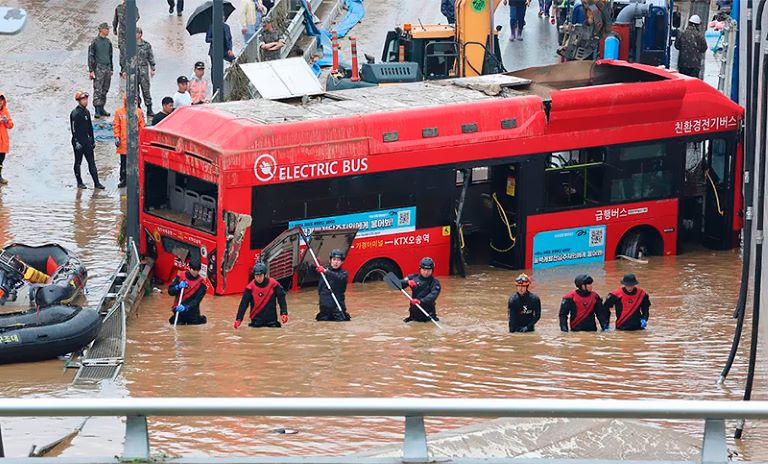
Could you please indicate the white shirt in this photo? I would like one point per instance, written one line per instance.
(181, 99)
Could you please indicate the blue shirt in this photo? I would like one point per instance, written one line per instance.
(227, 41)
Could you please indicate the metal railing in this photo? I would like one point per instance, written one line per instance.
(414, 410)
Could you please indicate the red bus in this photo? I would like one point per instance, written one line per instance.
(564, 164)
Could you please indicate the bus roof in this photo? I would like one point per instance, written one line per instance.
(547, 108)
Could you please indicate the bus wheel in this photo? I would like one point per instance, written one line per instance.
(375, 270)
(640, 242)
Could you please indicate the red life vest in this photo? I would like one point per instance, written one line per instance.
(629, 304)
(585, 306)
(261, 295)
(192, 286)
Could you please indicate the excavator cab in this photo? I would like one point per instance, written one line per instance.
(433, 48)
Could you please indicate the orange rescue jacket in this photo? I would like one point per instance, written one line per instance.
(4, 126)
(120, 127)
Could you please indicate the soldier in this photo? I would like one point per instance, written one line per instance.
(145, 65)
(271, 41)
(118, 25)
(100, 69)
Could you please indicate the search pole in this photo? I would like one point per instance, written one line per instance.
(132, 161)
(217, 67)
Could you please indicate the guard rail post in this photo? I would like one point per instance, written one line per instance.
(136, 438)
(714, 449)
(415, 440)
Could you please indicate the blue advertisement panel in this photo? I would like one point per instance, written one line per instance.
(564, 247)
(369, 224)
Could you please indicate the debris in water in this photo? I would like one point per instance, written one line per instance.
(285, 431)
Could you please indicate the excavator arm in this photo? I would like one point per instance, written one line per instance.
(474, 26)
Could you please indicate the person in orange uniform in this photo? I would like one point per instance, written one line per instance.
(194, 287)
(262, 294)
(120, 131)
(6, 122)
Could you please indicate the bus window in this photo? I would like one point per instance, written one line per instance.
(642, 172)
(575, 178)
(718, 161)
(179, 198)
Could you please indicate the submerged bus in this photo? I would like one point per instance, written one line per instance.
(565, 164)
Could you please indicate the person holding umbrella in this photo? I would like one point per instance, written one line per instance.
(179, 4)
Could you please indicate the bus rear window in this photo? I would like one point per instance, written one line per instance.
(180, 198)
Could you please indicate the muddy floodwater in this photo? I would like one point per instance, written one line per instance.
(376, 354)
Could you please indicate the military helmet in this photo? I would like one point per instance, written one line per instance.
(427, 263)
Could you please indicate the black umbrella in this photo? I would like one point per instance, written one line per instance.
(202, 18)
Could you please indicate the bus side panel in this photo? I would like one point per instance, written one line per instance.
(404, 249)
(662, 215)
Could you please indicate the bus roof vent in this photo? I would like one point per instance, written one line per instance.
(388, 73)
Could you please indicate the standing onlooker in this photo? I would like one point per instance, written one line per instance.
(6, 122)
(83, 141)
(268, 5)
(118, 24)
(692, 46)
(120, 131)
(198, 86)
(251, 12)
(182, 96)
(164, 112)
(271, 41)
(145, 65)
(179, 4)
(100, 69)
(229, 55)
(544, 7)
(516, 18)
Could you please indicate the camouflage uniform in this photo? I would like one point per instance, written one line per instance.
(145, 61)
(118, 24)
(100, 63)
(692, 46)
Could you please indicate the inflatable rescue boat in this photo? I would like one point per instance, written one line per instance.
(49, 325)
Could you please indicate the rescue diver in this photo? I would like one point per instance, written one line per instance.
(337, 279)
(583, 306)
(523, 306)
(262, 294)
(425, 289)
(632, 305)
(194, 290)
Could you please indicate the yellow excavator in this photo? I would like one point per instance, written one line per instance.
(470, 48)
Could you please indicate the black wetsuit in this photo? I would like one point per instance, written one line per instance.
(426, 290)
(193, 295)
(337, 278)
(263, 298)
(524, 312)
(620, 298)
(585, 310)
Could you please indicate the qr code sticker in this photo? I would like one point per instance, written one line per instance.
(596, 237)
(404, 217)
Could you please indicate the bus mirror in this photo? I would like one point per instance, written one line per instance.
(676, 19)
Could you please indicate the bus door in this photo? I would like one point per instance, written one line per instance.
(719, 190)
(514, 194)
